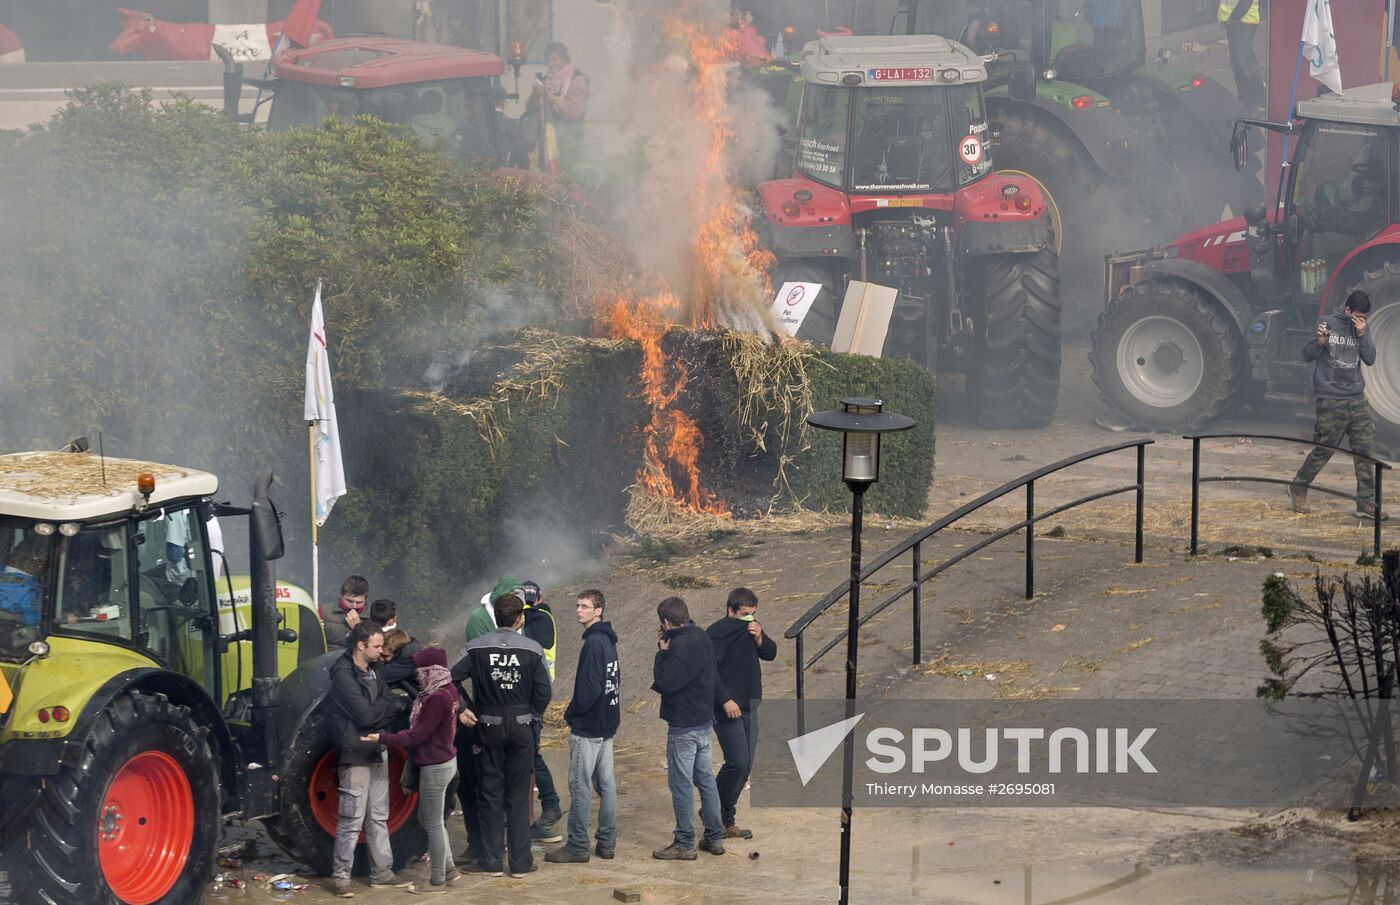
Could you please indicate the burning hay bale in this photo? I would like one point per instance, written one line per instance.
(547, 433)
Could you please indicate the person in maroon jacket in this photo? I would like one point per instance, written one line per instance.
(431, 728)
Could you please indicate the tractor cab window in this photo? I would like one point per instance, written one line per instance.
(24, 575)
(1341, 190)
(454, 116)
(900, 140)
(821, 143)
(969, 123)
(985, 26)
(94, 591)
(174, 591)
(1094, 39)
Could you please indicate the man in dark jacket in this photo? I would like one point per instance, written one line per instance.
(684, 676)
(593, 716)
(740, 644)
(397, 668)
(540, 628)
(1341, 347)
(348, 610)
(510, 688)
(361, 705)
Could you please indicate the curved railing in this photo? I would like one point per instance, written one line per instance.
(1197, 480)
(914, 542)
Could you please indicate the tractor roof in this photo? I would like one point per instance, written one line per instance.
(1365, 105)
(890, 59)
(66, 487)
(383, 62)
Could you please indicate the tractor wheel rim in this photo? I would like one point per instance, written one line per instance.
(1383, 380)
(145, 828)
(1160, 361)
(324, 793)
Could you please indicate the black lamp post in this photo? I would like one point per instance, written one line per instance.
(861, 421)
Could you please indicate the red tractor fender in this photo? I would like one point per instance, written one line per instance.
(1002, 213)
(1388, 236)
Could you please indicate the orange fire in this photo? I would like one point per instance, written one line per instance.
(727, 281)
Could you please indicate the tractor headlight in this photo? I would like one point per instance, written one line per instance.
(39, 648)
(68, 529)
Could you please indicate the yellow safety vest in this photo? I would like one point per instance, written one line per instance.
(549, 652)
(1250, 18)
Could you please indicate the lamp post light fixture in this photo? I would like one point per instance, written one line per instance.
(861, 420)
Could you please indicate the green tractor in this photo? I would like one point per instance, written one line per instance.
(1108, 129)
(142, 700)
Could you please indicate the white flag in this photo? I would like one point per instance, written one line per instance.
(320, 411)
(1320, 45)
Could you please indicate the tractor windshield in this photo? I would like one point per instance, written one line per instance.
(1341, 189)
(1095, 39)
(24, 576)
(455, 116)
(1004, 26)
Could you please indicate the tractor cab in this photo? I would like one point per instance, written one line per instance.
(444, 96)
(889, 115)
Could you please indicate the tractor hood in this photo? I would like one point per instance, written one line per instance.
(1211, 244)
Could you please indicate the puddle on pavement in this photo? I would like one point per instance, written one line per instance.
(1140, 884)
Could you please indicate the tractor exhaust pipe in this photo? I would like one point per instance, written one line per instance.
(265, 545)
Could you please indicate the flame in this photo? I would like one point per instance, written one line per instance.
(727, 282)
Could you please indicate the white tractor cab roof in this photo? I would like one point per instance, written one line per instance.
(902, 60)
(1369, 105)
(72, 487)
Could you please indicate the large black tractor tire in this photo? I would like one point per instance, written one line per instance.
(1013, 376)
(819, 326)
(1383, 378)
(134, 821)
(305, 825)
(1166, 357)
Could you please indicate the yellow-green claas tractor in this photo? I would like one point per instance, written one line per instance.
(144, 699)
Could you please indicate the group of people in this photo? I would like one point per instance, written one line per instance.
(476, 726)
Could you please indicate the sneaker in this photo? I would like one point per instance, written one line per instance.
(606, 852)
(714, 848)
(476, 867)
(393, 881)
(674, 853)
(549, 817)
(341, 890)
(1298, 499)
(1368, 512)
(542, 832)
(515, 872)
(467, 857)
(731, 831)
(566, 855)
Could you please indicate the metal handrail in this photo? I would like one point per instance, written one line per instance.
(914, 541)
(1197, 480)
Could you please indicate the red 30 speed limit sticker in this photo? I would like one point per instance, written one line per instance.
(971, 149)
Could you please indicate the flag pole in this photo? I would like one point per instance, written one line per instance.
(315, 550)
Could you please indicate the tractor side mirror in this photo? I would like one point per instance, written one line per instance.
(1021, 84)
(266, 520)
(1239, 146)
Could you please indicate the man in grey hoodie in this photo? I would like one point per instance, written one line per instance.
(1342, 346)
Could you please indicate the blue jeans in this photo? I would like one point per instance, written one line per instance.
(544, 780)
(688, 760)
(590, 767)
(737, 741)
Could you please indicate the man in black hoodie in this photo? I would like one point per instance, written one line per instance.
(360, 704)
(1341, 347)
(684, 675)
(593, 716)
(740, 643)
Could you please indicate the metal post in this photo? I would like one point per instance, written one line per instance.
(918, 609)
(1376, 540)
(1141, 472)
(852, 650)
(1030, 539)
(1195, 491)
(801, 663)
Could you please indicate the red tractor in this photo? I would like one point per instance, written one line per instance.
(1191, 326)
(894, 185)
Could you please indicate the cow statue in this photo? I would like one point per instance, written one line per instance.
(157, 40)
(11, 50)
